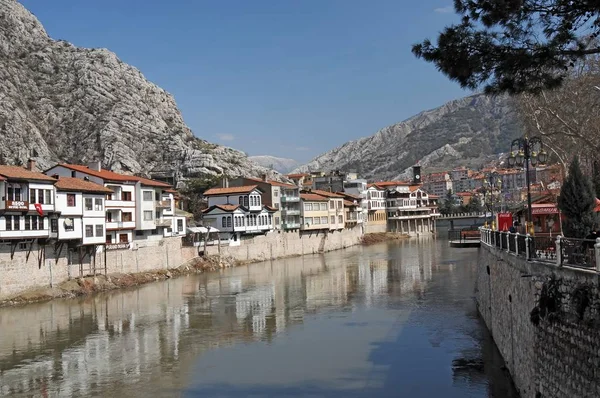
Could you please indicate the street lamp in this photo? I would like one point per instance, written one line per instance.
(491, 182)
(524, 151)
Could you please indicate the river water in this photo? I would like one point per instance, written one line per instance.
(393, 320)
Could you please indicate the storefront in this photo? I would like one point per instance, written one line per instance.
(546, 219)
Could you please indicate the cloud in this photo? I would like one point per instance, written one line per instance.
(302, 148)
(226, 137)
(444, 10)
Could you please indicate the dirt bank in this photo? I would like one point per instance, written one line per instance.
(100, 283)
(370, 239)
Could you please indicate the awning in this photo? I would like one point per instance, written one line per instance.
(597, 208)
(201, 230)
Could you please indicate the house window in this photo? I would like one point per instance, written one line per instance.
(99, 230)
(241, 200)
(89, 205)
(157, 196)
(128, 217)
(89, 231)
(147, 196)
(237, 221)
(126, 196)
(37, 223)
(276, 220)
(32, 195)
(179, 225)
(277, 205)
(324, 220)
(317, 220)
(70, 200)
(40, 196)
(228, 221)
(123, 238)
(308, 206)
(54, 225)
(69, 224)
(224, 222)
(139, 233)
(271, 220)
(109, 216)
(16, 223)
(323, 206)
(276, 193)
(333, 219)
(98, 204)
(245, 201)
(13, 192)
(27, 223)
(308, 220)
(148, 215)
(341, 219)
(48, 196)
(108, 239)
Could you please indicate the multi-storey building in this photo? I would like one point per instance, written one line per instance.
(353, 213)
(357, 189)
(376, 204)
(237, 211)
(81, 217)
(361, 205)
(336, 210)
(291, 211)
(411, 210)
(315, 212)
(26, 203)
(301, 180)
(138, 208)
(331, 182)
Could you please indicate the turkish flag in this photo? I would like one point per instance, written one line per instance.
(38, 208)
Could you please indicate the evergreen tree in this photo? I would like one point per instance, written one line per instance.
(577, 201)
(447, 206)
(514, 45)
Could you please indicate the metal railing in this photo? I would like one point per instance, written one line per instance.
(580, 253)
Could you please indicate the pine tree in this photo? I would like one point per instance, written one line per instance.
(577, 201)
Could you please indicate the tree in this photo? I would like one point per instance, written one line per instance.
(514, 46)
(447, 206)
(577, 201)
(194, 188)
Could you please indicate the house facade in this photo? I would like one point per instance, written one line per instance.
(315, 212)
(410, 210)
(335, 206)
(376, 205)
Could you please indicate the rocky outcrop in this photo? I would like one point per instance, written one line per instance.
(59, 102)
(282, 165)
(467, 131)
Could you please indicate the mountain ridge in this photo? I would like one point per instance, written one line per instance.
(465, 131)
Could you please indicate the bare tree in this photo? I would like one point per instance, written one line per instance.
(568, 118)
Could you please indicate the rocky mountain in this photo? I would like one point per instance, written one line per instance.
(59, 102)
(468, 131)
(282, 165)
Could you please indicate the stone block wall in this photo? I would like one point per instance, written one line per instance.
(279, 244)
(545, 321)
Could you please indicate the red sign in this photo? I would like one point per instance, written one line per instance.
(505, 221)
(17, 205)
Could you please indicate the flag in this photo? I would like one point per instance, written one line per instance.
(38, 208)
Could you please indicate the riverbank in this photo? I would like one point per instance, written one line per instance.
(381, 237)
(100, 283)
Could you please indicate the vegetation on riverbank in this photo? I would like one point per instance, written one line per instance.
(99, 283)
(370, 239)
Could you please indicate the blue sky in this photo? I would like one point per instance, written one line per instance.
(290, 78)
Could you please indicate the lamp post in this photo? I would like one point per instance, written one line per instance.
(491, 182)
(524, 151)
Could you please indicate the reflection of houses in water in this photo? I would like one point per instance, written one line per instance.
(373, 278)
(326, 289)
(257, 304)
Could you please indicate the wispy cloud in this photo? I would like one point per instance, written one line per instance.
(444, 10)
(226, 137)
(302, 148)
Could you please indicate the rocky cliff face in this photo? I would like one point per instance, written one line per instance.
(282, 165)
(63, 103)
(467, 131)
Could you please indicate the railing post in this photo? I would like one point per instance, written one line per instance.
(517, 243)
(527, 247)
(597, 253)
(507, 242)
(558, 252)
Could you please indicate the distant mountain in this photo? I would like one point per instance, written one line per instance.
(467, 131)
(282, 165)
(59, 102)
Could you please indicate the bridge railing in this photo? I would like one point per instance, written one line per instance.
(558, 250)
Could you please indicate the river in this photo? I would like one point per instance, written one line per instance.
(393, 319)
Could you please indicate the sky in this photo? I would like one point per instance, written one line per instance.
(288, 78)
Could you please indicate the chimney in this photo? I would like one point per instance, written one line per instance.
(264, 177)
(31, 165)
(225, 182)
(95, 165)
(416, 174)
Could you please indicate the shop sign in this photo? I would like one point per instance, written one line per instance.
(17, 205)
(118, 246)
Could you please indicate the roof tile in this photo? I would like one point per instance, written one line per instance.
(79, 185)
(230, 190)
(21, 173)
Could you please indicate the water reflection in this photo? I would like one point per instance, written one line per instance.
(359, 322)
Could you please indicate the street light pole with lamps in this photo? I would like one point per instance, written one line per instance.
(491, 182)
(524, 151)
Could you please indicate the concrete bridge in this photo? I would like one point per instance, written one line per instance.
(458, 220)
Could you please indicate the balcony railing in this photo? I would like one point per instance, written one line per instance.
(291, 225)
(290, 199)
(161, 222)
(163, 204)
(287, 212)
(579, 253)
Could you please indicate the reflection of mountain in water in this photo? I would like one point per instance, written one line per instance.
(149, 335)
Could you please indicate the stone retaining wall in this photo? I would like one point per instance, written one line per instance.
(545, 321)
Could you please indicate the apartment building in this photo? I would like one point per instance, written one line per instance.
(336, 212)
(315, 212)
(26, 203)
(361, 203)
(410, 210)
(376, 204)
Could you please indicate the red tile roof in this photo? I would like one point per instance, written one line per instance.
(230, 190)
(390, 183)
(79, 185)
(20, 173)
(222, 207)
(311, 197)
(347, 203)
(297, 175)
(349, 195)
(374, 185)
(112, 176)
(326, 194)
